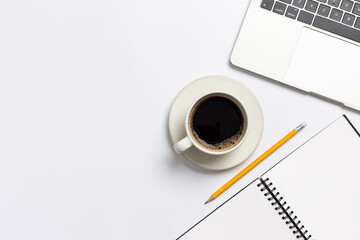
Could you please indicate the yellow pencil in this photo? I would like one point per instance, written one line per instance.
(256, 162)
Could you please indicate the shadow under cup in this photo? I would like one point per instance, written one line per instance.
(217, 122)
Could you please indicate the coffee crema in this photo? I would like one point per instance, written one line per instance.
(217, 123)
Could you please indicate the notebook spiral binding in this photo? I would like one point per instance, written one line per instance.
(283, 209)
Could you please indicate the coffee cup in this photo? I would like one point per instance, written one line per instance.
(215, 124)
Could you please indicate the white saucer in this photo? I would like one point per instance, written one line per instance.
(204, 86)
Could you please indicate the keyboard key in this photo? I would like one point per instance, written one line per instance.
(299, 3)
(267, 4)
(346, 5)
(356, 9)
(348, 19)
(334, 3)
(336, 14)
(279, 8)
(292, 12)
(286, 1)
(311, 6)
(323, 10)
(337, 28)
(357, 23)
(305, 17)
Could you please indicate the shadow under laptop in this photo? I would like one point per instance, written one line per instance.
(291, 88)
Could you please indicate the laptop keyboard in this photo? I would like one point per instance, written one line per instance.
(341, 17)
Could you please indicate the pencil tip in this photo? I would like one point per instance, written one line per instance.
(210, 199)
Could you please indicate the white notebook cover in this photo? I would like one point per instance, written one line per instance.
(320, 181)
(247, 215)
(318, 185)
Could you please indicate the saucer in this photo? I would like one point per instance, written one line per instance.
(204, 86)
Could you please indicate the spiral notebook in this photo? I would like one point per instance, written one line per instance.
(313, 193)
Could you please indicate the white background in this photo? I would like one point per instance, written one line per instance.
(85, 92)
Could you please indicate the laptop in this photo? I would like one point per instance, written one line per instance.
(312, 45)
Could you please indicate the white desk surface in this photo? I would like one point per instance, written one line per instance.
(85, 92)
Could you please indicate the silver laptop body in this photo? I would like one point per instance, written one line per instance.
(312, 45)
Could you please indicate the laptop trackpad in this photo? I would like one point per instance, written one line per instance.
(327, 66)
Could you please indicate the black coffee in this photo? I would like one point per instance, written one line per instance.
(217, 122)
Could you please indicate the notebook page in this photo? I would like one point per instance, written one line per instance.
(248, 215)
(320, 181)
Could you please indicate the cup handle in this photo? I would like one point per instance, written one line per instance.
(183, 145)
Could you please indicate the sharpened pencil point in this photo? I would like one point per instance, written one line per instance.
(210, 199)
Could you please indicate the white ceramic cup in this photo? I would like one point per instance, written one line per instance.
(190, 141)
